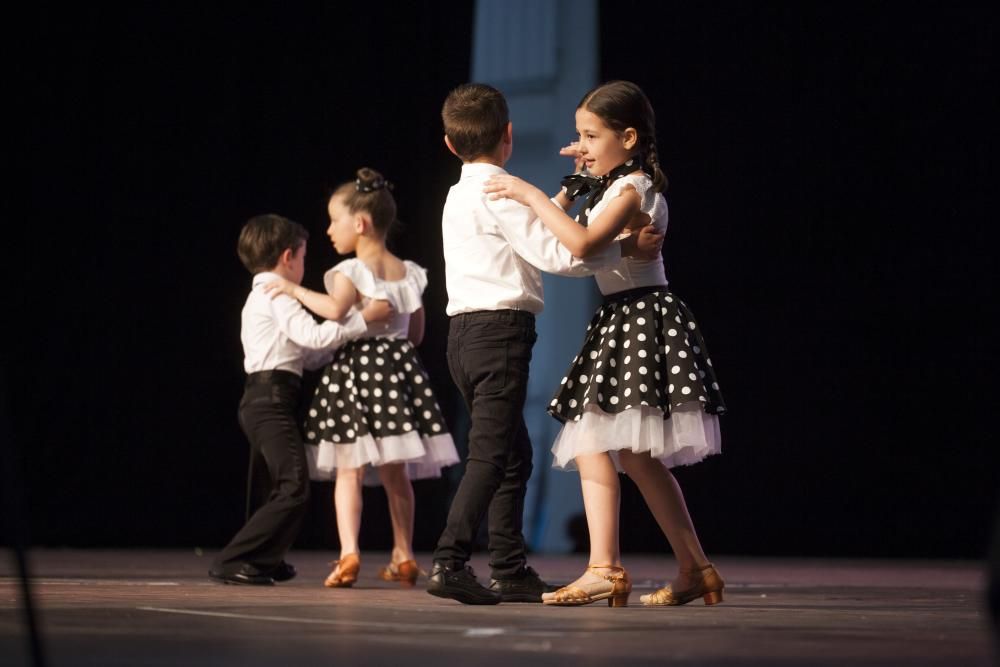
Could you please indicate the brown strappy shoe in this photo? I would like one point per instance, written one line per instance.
(614, 587)
(707, 584)
(405, 573)
(345, 572)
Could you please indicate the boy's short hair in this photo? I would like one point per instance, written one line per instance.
(265, 237)
(475, 117)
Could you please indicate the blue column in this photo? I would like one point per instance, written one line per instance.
(542, 54)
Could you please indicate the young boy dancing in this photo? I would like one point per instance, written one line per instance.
(279, 338)
(494, 253)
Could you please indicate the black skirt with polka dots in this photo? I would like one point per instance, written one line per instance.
(643, 347)
(376, 387)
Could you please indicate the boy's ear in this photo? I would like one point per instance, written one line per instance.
(286, 256)
(447, 142)
(630, 138)
(508, 134)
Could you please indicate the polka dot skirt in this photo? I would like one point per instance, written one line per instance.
(377, 387)
(642, 349)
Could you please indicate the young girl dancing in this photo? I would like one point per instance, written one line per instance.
(641, 396)
(374, 405)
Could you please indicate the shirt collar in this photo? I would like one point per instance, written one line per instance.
(263, 278)
(481, 169)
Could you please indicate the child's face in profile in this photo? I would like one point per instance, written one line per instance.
(601, 148)
(343, 226)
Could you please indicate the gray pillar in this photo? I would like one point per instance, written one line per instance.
(542, 54)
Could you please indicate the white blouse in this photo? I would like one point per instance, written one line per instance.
(630, 272)
(403, 294)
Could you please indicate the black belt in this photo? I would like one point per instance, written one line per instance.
(273, 377)
(503, 315)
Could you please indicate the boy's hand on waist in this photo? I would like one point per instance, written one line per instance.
(378, 310)
(646, 244)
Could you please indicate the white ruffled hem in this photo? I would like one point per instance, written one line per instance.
(688, 436)
(424, 456)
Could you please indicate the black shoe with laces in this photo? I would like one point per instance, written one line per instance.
(526, 586)
(283, 572)
(460, 585)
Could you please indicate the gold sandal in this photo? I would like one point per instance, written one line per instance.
(345, 572)
(615, 588)
(707, 584)
(405, 573)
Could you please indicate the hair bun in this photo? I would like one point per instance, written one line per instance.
(369, 180)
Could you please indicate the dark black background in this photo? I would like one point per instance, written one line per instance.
(829, 193)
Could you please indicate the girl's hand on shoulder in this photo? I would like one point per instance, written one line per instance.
(573, 150)
(280, 286)
(505, 186)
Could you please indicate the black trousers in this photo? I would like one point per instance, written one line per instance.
(488, 356)
(267, 416)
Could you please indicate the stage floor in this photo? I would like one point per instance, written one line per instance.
(113, 608)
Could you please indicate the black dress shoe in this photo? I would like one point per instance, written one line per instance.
(243, 576)
(283, 572)
(525, 586)
(460, 585)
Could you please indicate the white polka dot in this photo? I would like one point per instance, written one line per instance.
(613, 343)
(366, 347)
(330, 423)
(418, 380)
(642, 354)
(364, 392)
(600, 397)
(666, 349)
(675, 370)
(692, 376)
(397, 356)
(364, 377)
(553, 402)
(393, 409)
(336, 438)
(311, 435)
(340, 403)
(672, 332)
(377, 392)
(715, 386)
(393, 393)
(349, 384)
(593, 354)
(613, 362)
(569, 384)
(418, 402)
(350, 433)
(572, 402)
(380, 361)
(642, 370)
(643, 388)
(628, 374)
(686, 390)
(697, 350)
(614, 400)
(345, 418)
(670, 389)
(625, 326)
(326, 379)
(641, 337)
(641, 321)
(428, 392)
(627, 343)
(657, 375)
(691, 326)
(599, 378)
(378, 377)
(407, 426)
(682, 354)
(334, 387)
(435, 427)
(313, 413)
(391, 425)
(363, 359)
(377, 408)
(604, 330)
(708, 361)
(377, 424)
(345, 369)
(627, 359)
(323, 402)
(640, 305)
(614, 382)
(583, 379)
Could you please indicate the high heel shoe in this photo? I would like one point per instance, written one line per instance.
(345, 572)
(614, 587)
(707, 584)
(405, 573)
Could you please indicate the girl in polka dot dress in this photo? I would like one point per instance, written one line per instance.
(374, 407)
(642, 396)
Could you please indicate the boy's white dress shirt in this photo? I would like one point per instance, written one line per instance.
(279, 334)
(495, 250)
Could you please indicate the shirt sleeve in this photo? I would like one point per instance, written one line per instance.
(299, 326)
(533, 241)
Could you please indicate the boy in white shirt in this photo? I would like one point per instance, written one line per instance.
(279, 338)
(494, 253)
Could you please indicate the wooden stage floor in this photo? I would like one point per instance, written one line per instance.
(112, 608)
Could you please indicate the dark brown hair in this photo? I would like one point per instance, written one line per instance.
(263, 239)
(372, 194)
(475, 117)
(621, 105)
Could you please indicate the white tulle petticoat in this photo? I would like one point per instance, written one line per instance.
(424, 456)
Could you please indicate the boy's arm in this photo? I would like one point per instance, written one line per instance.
(295, 322)
(539, 247)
